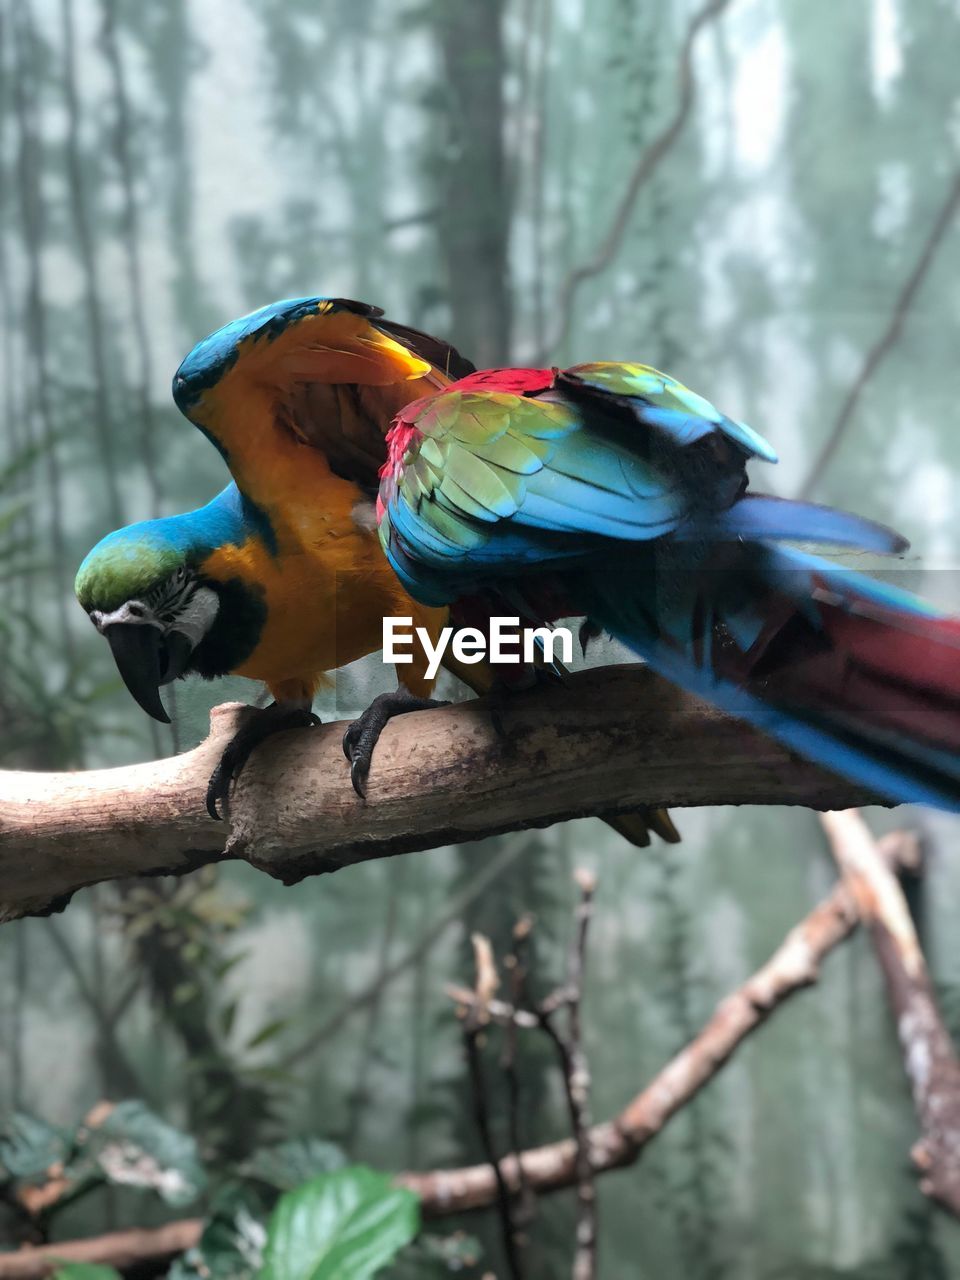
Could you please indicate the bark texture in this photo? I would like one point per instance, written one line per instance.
(124, 1250)
(929, 1057)
(607, 741)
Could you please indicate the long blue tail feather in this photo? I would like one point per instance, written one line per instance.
(758, 516)
(784, 674)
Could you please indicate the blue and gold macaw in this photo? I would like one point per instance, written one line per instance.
(281, 577)
(613, 492)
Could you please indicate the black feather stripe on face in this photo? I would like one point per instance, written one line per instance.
(167, 600)
(235, 632)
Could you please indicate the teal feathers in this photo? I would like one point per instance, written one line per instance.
(616, 493)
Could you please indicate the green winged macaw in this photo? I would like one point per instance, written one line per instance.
(610, 491)
(281, 577)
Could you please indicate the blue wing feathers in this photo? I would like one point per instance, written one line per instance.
(757, 516)
(658, 544)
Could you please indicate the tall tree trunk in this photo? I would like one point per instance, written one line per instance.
(174, 58)
(12, 365)
(131, 243)
(474, 217)
(138, 309)
(538, 177)
(33, 222)
(359, 1097)
(80, 213)
(18, 1003)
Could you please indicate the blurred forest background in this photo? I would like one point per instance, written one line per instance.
(471, 166)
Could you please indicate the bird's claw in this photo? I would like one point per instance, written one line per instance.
(359, 768)
(358, 758)
(588, 631)
(266, 721)
(362, 736)
(218, 791)
(350, 739)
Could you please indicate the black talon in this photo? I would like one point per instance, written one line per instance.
(264, 722)
(358, 777)
(362, 735)
(588, 631)
(350, 739)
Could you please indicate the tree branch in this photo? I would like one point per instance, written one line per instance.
(613, 1144)
(607, 741)
(928, 1054)
(452, 911)
(618, 1142)
(888, 339)
(516, 967)
(475, 1019)
(647, 163)
(120, 1249)
(576, 1082)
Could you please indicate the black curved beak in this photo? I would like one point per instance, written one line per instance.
(176, 652)
(139, 651)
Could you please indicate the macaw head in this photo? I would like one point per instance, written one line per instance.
(141, 590)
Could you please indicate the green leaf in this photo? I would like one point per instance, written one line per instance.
(341, 1226)
(133, 1147)
(231, 1246)
(85, 1271)
(435, 1256)
(289, 1164)
(29, 1146)
(267, 1032)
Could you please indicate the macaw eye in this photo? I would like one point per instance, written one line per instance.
(180, 575)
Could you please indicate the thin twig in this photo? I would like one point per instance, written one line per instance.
(887, 340)
(475, 1021)
(415, 219)
(371, 993)
(516, 966)
(34, 221)
(578, 1090)
(931, 1062)
(123, 1001)
(359, 1098)
(103, 423)
(499, 1011)
(120, 1069)
(538, 171)
(576, 1080)
(644, 169)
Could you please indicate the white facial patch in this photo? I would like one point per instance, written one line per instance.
(197, 616)
(131, 611)
(194, 619)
